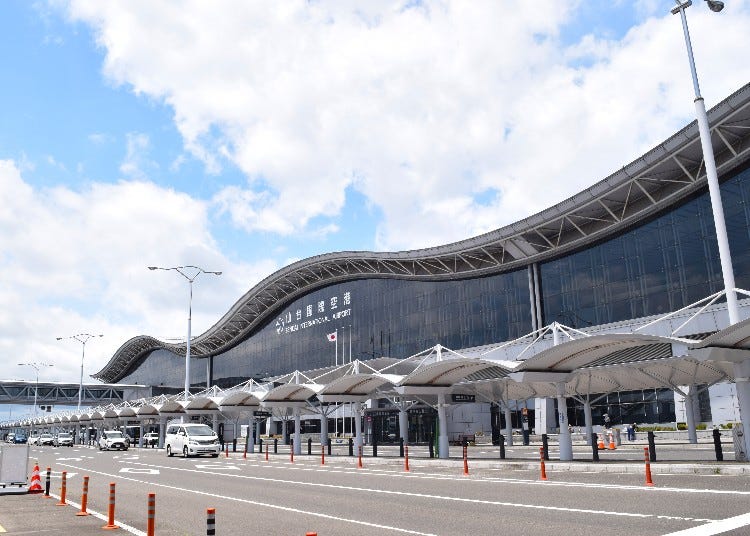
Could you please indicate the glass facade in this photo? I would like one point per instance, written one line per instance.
(662, 265)
(381, 317)
(371, 318)
(658, 267)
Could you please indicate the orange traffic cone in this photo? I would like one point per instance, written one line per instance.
(600, 445)
(36, 481)
(611, 441)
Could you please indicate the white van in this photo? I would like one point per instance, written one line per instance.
(191, 440)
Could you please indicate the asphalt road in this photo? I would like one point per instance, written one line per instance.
(255, 496)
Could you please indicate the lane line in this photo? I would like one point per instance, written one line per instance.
(715, 527)
(417, 495)
(258, 503)
(433, 476)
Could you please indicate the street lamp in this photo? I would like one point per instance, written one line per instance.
(83, 338)
(192, 273)
(708, 157)
(36, 366)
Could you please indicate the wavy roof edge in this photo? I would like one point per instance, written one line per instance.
(663, 176)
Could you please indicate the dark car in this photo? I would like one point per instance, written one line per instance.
(20, 438)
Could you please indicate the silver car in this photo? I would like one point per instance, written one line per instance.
(63, 439)
(113, 440)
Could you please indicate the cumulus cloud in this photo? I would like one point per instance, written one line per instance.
(422, 107)
(75, 261)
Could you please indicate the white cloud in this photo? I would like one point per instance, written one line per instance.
(136, 163)
(75, 261)
(421, 110)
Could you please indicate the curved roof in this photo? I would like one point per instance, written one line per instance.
(663, 176)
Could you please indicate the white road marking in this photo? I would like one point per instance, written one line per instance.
(715, 527)
(140, 470)
(267, 505)
(69, 459)
(218, 467)
(438, 497)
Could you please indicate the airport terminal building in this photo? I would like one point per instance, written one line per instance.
(637, 245)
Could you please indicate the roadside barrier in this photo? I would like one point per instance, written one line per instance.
(63, 489)
(210, 521)
(649, 482)
(244, 454)
(36, 481)
(466, 459)
(151, 520)
(47, 484)
(291, 453)
(84, 497)
(226, 450)
(266, 450)
(541, 461)
(406, 458)
(594, 448)
(601, 442)
(111, 510)
(322, 454)
(611, 441)
(651, 446)
(717, 445)
(359, 462)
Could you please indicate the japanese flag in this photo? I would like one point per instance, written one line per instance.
(331, 337)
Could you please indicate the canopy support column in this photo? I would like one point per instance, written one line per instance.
(565, 439)
(742, 384)
(357, 426)
(323, 427)
(508, 425)
(403, 422)
(297, 437)
(443, 450)
(689, 397)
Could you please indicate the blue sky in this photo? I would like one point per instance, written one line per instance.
(241, 138)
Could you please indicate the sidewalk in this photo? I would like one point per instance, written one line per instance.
(32, 514)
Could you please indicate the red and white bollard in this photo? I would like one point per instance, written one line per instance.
(63, 489)
(151, 519)
(649, 482)
(111, 510)
(466, 461)
(84, 497)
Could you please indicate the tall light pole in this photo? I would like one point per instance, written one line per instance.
(190, 273)
(711, 176)
(36, 367)
(83, 338)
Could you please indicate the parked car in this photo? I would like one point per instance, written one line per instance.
(191, 440)
(63, 439)
(112, 440)
(33, 440)
(151, 439)
(19, 439)
(46, 439)
(10, 438)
